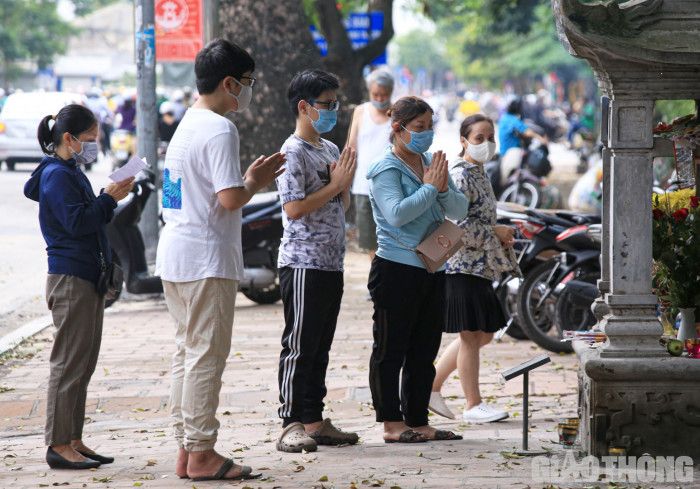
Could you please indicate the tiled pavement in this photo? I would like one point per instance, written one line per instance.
(128, 415)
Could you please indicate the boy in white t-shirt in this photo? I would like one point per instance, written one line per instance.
(199, 254)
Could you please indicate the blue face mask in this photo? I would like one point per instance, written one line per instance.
(326, 120)
(420, 141)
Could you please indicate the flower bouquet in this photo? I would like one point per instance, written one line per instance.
(676, 249)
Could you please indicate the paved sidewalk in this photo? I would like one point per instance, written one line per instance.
(128, 414)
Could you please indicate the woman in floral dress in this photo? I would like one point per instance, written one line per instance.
(473, 310)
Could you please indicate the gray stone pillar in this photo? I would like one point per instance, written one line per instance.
(632, 327)
(599, 307)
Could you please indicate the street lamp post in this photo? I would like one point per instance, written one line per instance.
(146, 114)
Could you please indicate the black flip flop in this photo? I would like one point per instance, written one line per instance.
(409, 436)
(444, 435)
(225, 467)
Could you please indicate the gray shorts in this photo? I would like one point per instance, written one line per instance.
(366, 228)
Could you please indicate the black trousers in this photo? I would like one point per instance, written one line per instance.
(311, 301)
(409, 308)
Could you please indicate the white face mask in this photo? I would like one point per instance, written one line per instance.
(244, 97)
(482, 152)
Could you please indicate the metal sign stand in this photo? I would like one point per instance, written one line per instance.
(524, 370)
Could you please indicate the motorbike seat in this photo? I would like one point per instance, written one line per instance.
(252, 208)
(580, 218)
(549, 218)
(261, 201)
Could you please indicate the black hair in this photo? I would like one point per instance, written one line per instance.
(73, 119)
(468, 123)
(309, 84)
(406, 109)
(217, 60)
(515, 106)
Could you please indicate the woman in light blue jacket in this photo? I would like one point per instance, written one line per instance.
(411, 194)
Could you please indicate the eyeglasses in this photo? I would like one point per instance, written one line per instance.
(251, 79)
(333, 105)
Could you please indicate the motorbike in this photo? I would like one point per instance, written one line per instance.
(261, 235)
(516, 176)
(539, 295)
(536, 243)
(123, 145)
(128, 249)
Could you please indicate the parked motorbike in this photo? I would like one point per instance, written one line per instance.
(578, 260)
(536, 234)
(261, 235)
(128, 249)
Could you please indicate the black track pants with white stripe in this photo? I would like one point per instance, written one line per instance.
(311, 301)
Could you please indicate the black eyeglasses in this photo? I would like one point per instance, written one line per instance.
(252, 80)
(333, 105)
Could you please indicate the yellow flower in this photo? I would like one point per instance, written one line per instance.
(672, 201)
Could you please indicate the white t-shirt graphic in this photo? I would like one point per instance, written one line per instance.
(201, 239)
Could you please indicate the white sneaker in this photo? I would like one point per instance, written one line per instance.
(438, 406)
(483, 414)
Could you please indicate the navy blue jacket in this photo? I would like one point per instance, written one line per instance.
(72, 219)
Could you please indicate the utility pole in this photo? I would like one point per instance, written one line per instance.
(146, 114)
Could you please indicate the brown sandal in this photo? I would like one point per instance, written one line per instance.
(246, 473)
(444, 435)
(408, 436)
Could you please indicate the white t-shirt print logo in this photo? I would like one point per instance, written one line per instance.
(172, 189)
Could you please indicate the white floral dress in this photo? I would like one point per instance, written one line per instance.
(482, 254)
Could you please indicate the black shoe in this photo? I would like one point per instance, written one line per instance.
(55, 461)
(99, 458)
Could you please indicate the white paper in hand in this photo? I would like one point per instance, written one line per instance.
(132, 167)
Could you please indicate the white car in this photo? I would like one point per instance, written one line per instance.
(20, 119)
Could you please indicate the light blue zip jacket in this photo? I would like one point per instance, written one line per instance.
(406, 210)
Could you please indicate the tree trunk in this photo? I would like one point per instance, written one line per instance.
(347, 63)
(280, 42)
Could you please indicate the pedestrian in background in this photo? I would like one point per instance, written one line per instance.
(73, 224)
(411, 194)
(315, 194)
(369, 135)
(472, 309)
(199, 253)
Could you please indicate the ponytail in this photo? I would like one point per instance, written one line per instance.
(73, 119)
(45, 134)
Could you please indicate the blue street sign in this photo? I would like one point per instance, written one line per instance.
(361, 27)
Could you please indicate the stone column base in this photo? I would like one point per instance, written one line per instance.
(645, 405)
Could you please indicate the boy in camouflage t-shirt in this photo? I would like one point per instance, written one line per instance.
(315, 195)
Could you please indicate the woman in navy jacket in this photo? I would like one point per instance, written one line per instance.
(73, 223)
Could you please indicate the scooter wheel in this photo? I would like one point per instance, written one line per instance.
(267, 296)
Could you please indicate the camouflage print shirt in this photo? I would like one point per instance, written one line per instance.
(316, 240)
(482, 254)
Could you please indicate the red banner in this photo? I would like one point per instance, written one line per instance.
(178, 29)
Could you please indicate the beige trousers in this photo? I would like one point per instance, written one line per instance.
(77, 312)
(203, 311)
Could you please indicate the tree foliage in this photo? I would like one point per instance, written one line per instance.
(420, 49)
(30, 30)
(84, 7)
(490, 41)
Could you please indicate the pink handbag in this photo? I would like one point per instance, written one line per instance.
(440, 245)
